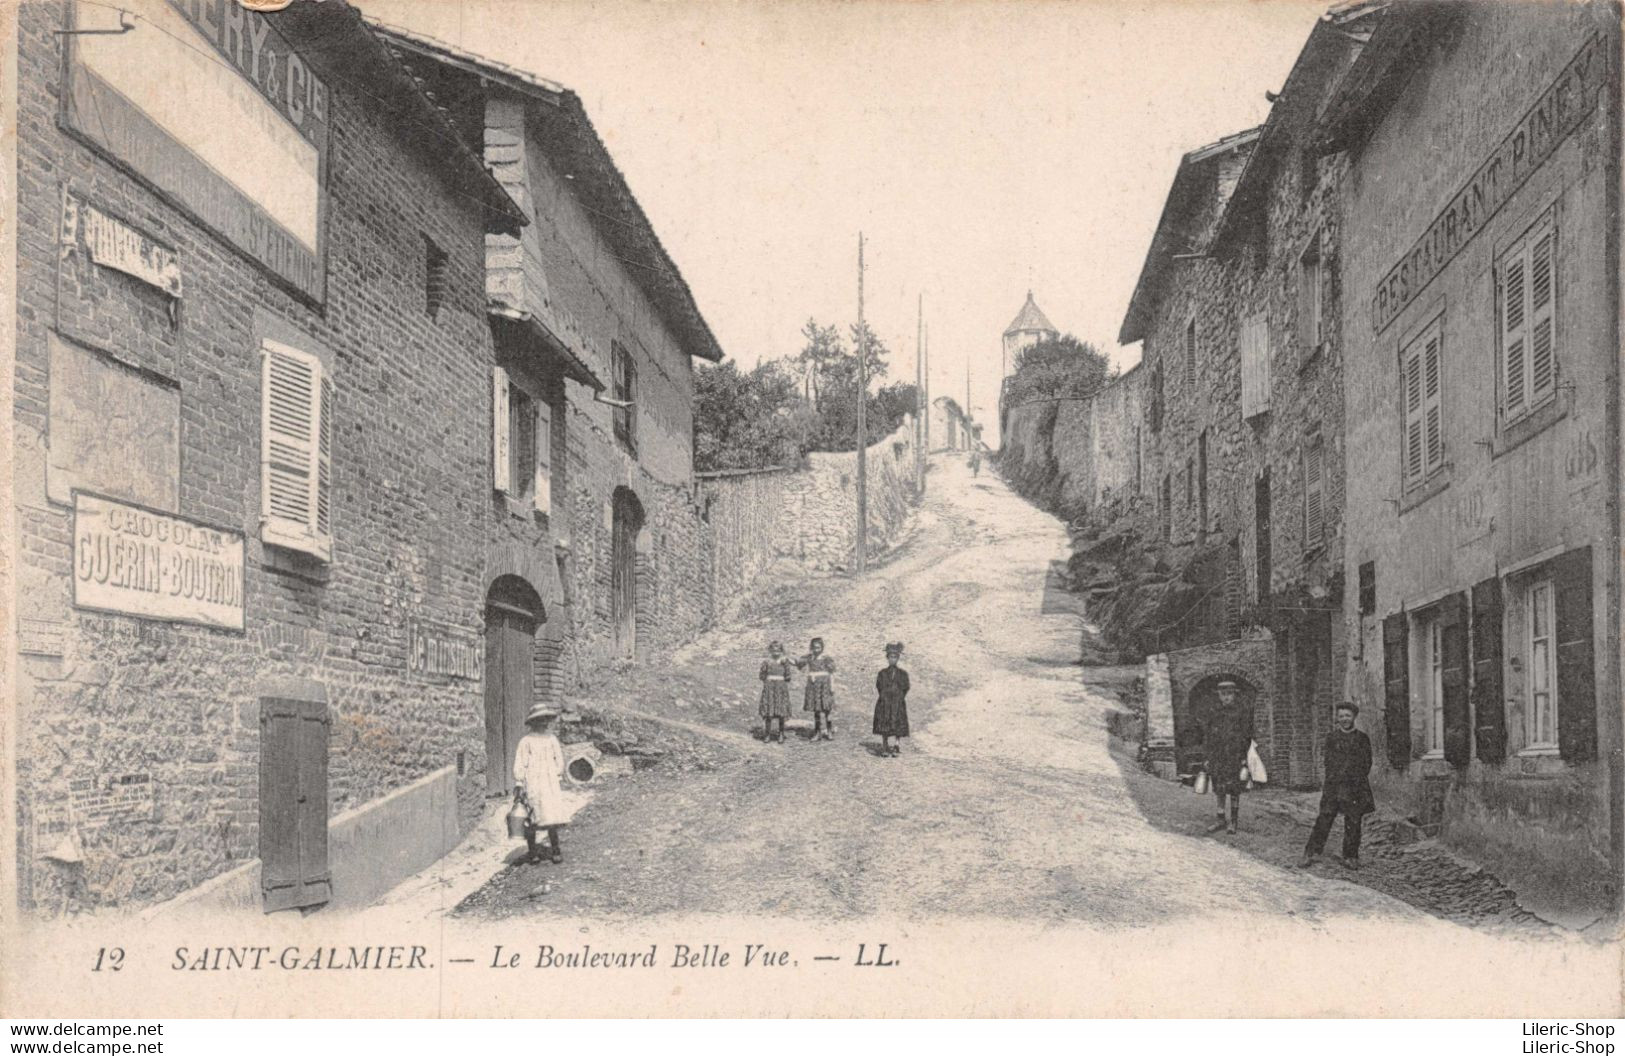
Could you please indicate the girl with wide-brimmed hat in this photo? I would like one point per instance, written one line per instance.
(891, 702)
(819, 696)
(538, 774)
(775, 703)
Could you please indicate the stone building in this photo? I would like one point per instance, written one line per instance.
(1479, 263)
(251, 459)
(1194, 448)
(594, 388)
(1280, 238)
(951, 427)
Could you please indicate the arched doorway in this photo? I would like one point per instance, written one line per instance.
(513, 611)
(626, 522)
(1190, 720)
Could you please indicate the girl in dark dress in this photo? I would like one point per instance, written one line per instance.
(1229, 734)
(891, 703)
(819, 696)
(775, 703)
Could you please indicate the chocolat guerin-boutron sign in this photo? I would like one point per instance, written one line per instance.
(141, 562)
(1559, 111)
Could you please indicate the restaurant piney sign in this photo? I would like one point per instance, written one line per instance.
(140, 562)
(1557, 113)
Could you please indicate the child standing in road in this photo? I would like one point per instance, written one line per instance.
(891, 702)
(775, 704)
(820, 692)
(538, 774)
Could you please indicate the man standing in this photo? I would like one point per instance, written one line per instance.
(1228, 735)
(1347, 790)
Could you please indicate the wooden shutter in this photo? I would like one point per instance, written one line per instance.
(315, 882)
(1576, 670)
(544, 456)
(295, 450)
(1489, 703)
(293, 803)
(1314, 489)
(279, 821)
(500, 454)
(1190, 352)
(1458, 721)
(1396, 676)
(1528, 327)
(1255, 366)
(1542, 354)
(1432, 404)
(1411, 389)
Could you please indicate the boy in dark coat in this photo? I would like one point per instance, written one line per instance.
(1229, 734)
(1347, 790)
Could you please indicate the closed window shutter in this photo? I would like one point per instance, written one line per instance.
(1453, 676)
(544, 447)
(500, 454)
(1542, 359)
(1576, 670)
(1432, 404)
(295, 450)
(1411, 379)
(1489, 706)
(1396, 675)
(1514, 332)
(1314, 513)
(1255, 366)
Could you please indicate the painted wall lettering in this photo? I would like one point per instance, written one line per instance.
(1560, 109)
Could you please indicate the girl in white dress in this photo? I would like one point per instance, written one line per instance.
(538, 773)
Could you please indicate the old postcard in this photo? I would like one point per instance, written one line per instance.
(824, 509)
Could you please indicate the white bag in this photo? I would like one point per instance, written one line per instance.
(1255, 766)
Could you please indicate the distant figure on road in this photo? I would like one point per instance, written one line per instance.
(1229, 734)
(975, 463)
(820, 692)
(891, 705)
(775, 705)
(538, 774)
(1347, 790)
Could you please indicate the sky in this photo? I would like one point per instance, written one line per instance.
(982, 149)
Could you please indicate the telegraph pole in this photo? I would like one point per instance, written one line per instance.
(862, 555)
(928, 393)
(921, 411)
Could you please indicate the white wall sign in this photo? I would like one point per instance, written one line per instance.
(141, 562)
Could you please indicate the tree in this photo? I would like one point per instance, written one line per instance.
(1059, 367)
(748, 420)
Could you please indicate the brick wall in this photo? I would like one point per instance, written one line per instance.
(104, 695)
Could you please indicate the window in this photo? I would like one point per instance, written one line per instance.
(1190, 351)
(1314, 495)
(521, 442)
(1167, 504)
(1201, 482)
(1255, 365)
(1542, 684)
(296, 443)
(434, 277)
(1430, 634)
(1368, 588)
(1422, 443)
(1156, 399)
(626, 387)
(1139, 457)
(1190, 481)
(1528, 296)
(1311, 325)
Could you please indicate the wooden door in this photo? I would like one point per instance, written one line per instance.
(510, 643)
(293, 803)
(624, 583)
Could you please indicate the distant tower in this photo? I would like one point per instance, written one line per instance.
(1029, 328)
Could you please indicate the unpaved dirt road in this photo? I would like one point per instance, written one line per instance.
(1005, 803)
